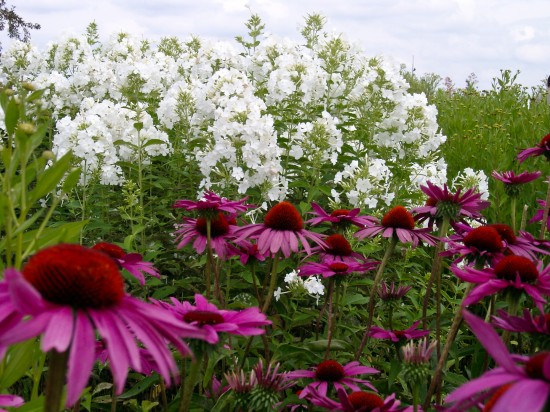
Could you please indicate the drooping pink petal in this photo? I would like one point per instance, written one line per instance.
(59, 332)
(25, 297)
(486, 381)
(526, 395)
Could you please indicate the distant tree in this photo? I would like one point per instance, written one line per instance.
(17, 27)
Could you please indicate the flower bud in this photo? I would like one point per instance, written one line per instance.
(28, 86)
(48, 155)
(27, 128)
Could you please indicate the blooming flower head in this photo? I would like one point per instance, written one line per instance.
(398, 223)
(511, 272)
(331, 372)
(329, 269)
(512, 182)
(398, 335)
(13, 401)
(443, 203)
(211, 204)
(66, 293)
(477, 245)
(249, 252)
(541, 149)
(529, 381)
(539, 215)
(222, 230)
(132, 262)
(392, 293)
(338, 217)
(282, 230)
(539, 324)
(362, 401)
(338, 249)
(524, 244)
(208, 318)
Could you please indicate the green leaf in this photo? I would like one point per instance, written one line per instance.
(11, 116)
(18, 361)
(71, 180)
(36, 405)
(37, 94)
(140, 387)
(153, 142)
(50, 178)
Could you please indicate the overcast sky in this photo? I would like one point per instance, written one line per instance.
(448, 37)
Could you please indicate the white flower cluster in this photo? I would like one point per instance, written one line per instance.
(277, 114)
(470, 179)
(296, 285)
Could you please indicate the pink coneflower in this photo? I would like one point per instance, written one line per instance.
(13, 401)
(211, 204)
(529, 381)
(358, 401)
(515, 272)
(392, 293)
(539, 215)
(331, 372)
(338, 249)
(222, 229)
(442, 203)
(338, 217)
(211, 320)
(398, 335)
(67, 293)
(398, 223)
(512, 182)
(541, 149)
(539, 324)
(334, 268)
(418, 353)
(132, 262)
(248, 251)
(282, 230)
(477, 245)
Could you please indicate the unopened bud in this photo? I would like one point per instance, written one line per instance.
(27, 128)
(9, 92)
(28, 86)
(48, 155)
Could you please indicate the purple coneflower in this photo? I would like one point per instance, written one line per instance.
(338, 249)
(477, 245)
(398, 223)
(529, 381)
(13, 401)
(338, 217)
(442, 203)
(542, 148)
(515, 272)
(211, 204)
(418, 353)
(361, 401)
(328, 269)
(539, 214)
(66, 293)
(527, 323)
(512, 182)
(331, 372)
(222, 229)
(248, 251)
(132, 262)
(211, 320)
(392, 293)
(398, 335)
(282, 230)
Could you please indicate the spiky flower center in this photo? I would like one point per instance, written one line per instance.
(219, 225)
(114, 251)
(511, 266)
(283, 216)
(535, 366)
(545, 144)
(366, 401)
(203, 317)
(339, 212)
(484, 238)
(489, 405)
(546, 320)
(448, 208)
(338, 267)
(329, 371)
(76, 276)
(506, 233)
(338, 245)
(398, 217)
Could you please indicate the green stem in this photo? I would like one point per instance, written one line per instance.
(377, 278)
(55, 381)
(329, 322)
(189, 385)
(272, 283)
(513, 201)
(545, 212)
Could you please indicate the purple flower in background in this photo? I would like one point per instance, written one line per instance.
(211, 204)
(388, 293)
(510, 178)
(328, 269)
(338, 249)
(13, 401)
(331, 372)
(476, 245)
(398, 335)
(338, 217)
(541, 149)
(527, 323)
(67, 293)
(399, 223)
(211, 320)
(356, 401)
(529, 381)
(539, 215)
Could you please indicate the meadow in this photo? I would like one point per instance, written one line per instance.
(268, 225)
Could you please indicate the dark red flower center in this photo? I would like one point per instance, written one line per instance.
(330, 371)
(432, 202)
(203, 317)
(505, 232)
(365, 401)
(114, 251)
(283, 216)
(76, 276)
(339, 212)
(400, 334)
(398, 217)
(338, 245)
(338, 267)
(534, 366)
(489, 405)
(545, 142)
(511, 266)
(218, 226)
(546, 318)
(484, 238)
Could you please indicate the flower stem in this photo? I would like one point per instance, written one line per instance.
(55, 381)
(272, 283)
(513, 200)
(377, 278)
(545, 212)
(329, 326)
(189, 385)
